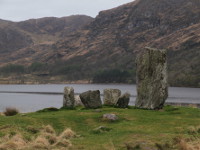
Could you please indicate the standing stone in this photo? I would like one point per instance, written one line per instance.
(91, 99)
(68, 98)
(152, 87)
(77, 101)
(123, 101)
(111, 96)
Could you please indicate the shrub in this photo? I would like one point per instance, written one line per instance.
(12, 68)
(112, 76)
(36, 66)
(48, 109)
(11, 111)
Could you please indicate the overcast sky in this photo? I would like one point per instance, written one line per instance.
(18, 10)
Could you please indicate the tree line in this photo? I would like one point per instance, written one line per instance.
(72, 72)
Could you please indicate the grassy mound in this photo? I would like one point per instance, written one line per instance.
(170, 128)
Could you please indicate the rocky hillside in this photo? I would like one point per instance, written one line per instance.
(113, 39)
(18, 39)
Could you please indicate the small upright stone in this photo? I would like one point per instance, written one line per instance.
(91, 99)
(77, 101)
(68, 98)
(152, 86)
(123, 101)
(111, 96)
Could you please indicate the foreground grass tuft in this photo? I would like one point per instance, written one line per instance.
(46, 139)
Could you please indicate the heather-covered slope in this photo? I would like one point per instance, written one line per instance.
(113, 39)
(21, 40)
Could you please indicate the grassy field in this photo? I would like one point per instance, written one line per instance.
(170, 128)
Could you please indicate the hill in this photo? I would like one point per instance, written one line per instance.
(113, 39)
(32, 37)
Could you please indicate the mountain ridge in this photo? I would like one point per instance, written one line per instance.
(35, 33)
(113, 39)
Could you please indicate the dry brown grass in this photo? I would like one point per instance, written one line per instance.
(48, 129)
(192, 130)
(15, 142)
(2, 114)
(110, 146)
(67, 134)
(46, 139)
(40, 143)
(187, 143)
(63, 143)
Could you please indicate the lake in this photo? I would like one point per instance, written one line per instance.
(36, 97)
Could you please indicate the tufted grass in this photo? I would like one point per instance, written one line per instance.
(136, 128)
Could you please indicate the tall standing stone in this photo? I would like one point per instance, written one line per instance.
(152, 86)
(68, 98)
(111, 96)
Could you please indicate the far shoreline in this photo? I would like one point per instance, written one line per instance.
(80, 82)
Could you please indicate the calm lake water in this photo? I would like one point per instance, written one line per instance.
(29, 102)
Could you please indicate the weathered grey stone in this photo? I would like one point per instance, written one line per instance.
(78, 101)
(123, 101)
(152, 86)
(68, 98)
(110, 117)
(91, 99)
(111, 96)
